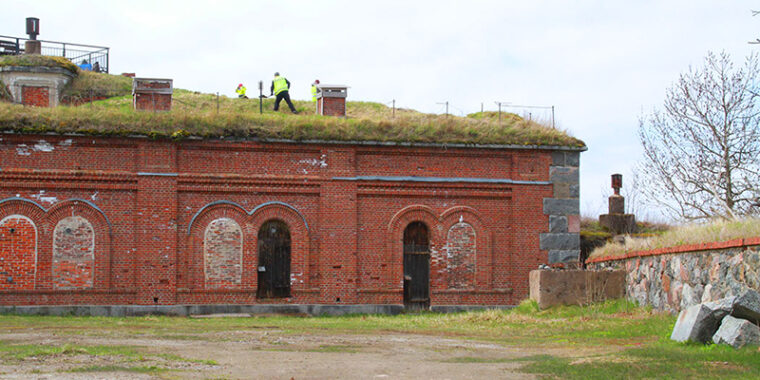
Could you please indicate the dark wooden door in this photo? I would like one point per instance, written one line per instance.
(416, 267)
(274, 260)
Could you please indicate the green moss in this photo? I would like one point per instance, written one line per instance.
(38, 60)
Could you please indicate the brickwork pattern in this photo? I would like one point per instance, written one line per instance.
(223, 253)
(331, 106)
(150, 203)
(461, 251)
(35, 96)
(153, 102)
(18, 252)
(73, 253)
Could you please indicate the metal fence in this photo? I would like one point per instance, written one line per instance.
(76, 53)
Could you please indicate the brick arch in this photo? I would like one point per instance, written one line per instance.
(101, 228)
(25, 207)
(395, 242)
(483, 254)
(299, 238)
(195, 258)
(18, 252)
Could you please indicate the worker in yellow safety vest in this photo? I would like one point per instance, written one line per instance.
(314, 90)
(280, 87)
(241, 91)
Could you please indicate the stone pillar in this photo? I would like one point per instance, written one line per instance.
(563, 239)
(32, 47)
(616, 220)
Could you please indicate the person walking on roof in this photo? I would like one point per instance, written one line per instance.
(241, 91)
(280, 87)
(314, 90)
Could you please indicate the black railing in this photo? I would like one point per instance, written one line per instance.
(76, 53)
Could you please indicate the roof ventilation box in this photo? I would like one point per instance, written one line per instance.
(152, 94)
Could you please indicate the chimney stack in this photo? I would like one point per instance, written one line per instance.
(331, 99)
(152, 94)
(32, 46)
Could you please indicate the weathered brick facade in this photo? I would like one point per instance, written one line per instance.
(137, 221)
(36, 96)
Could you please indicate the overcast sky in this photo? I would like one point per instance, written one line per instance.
(602, 64)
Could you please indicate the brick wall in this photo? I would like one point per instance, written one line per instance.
(35, 96)
(176, 222)
(331, 106)
(153, 102)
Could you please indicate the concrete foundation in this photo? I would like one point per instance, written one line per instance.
(187, 310)
(575, 287)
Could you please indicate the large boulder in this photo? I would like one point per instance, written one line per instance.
(698, 323)
(745, 306)
(737, 332)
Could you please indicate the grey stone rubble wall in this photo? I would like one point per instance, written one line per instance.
(187, 310)
(673, 282)
(563, 239)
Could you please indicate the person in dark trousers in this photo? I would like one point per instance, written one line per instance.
(280, 87)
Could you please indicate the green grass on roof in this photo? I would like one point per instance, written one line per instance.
(196, 114)
(38, 60)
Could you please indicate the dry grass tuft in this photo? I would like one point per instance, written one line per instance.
(714, 231)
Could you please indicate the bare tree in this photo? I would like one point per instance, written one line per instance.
(702, 151)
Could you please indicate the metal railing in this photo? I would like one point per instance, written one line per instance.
(76, 53)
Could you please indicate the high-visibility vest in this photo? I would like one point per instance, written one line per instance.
(280, 85)
(313, 93)
(241, 90)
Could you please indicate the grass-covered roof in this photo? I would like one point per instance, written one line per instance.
(197, 114)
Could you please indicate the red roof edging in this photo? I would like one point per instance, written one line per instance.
(681, 249)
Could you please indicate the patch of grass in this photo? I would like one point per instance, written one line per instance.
(38, 60)
(119, 368)
(334, 348)
(713, 231)
(177, 358)
(89, 84)
(195, 114)
(475, 359)
(664, 359)
(23, 351)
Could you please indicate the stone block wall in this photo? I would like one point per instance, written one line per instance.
(575, 287)
(563, 238)
(106, 220)
(673, 279)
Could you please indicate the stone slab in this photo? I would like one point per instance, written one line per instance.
(747, 306)
(737, 333)
(563, 174)
(575, 287)
(557, 223)
(560, 241)
(554, 206)
(557, 256)
(697, 323)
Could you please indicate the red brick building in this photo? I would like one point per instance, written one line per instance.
(134, 221)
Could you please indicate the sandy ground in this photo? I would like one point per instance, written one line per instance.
(273, 354)
(270, 353)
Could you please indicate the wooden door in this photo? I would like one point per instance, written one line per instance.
(416, 267)
(274, 260)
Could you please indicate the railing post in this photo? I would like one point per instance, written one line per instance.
(64, 50)
(108, 55)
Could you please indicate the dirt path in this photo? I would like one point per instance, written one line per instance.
(273, 354)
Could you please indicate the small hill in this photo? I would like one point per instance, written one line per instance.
(209, 116)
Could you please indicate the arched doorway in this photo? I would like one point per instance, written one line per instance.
(416, 266)
(274, 260)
